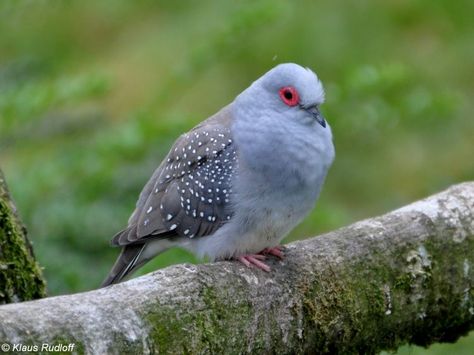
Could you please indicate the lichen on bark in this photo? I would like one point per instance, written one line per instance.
(404, 277)
(20, 276)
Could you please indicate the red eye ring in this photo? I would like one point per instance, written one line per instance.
(289, 95)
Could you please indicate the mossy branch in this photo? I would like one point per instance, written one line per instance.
(20, 275)
(404, 277)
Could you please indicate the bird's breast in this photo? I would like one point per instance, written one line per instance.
(288, 158)
(282, 166)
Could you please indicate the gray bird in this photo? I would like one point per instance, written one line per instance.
(236, 184)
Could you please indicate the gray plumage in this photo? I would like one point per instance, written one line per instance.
(238, 182)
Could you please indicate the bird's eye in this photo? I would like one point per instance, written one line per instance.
(289, 96)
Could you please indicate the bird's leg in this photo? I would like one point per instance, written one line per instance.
(254, 259)
(275, 251)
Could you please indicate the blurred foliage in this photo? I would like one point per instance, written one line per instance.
(93, 93)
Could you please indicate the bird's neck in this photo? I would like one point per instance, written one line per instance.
(282, 153)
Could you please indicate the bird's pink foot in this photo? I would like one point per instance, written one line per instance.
(254, 259)
(275, 251)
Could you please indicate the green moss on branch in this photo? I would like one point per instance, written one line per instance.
(20, 275)
(405, 277)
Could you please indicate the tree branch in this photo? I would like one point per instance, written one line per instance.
(403, 277)
(20, 275)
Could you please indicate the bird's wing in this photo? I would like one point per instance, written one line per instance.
(188, 195)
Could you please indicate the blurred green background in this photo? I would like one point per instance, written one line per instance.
(93, 93)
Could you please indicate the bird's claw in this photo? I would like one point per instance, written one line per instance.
(256, 259)
(275, 251)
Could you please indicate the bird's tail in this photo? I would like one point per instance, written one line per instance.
(127, 262)
(133, 256)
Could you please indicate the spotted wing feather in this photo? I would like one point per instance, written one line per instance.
(189, 194)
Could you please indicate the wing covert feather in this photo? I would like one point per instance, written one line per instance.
(189, 193)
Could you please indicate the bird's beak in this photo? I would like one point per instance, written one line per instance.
(314, 111)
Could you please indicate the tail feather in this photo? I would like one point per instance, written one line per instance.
(128, 261)
(134, 256)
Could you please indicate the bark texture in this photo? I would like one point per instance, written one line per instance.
(20, 275)
(404, 277)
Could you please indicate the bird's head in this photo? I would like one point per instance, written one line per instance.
(287, 89)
